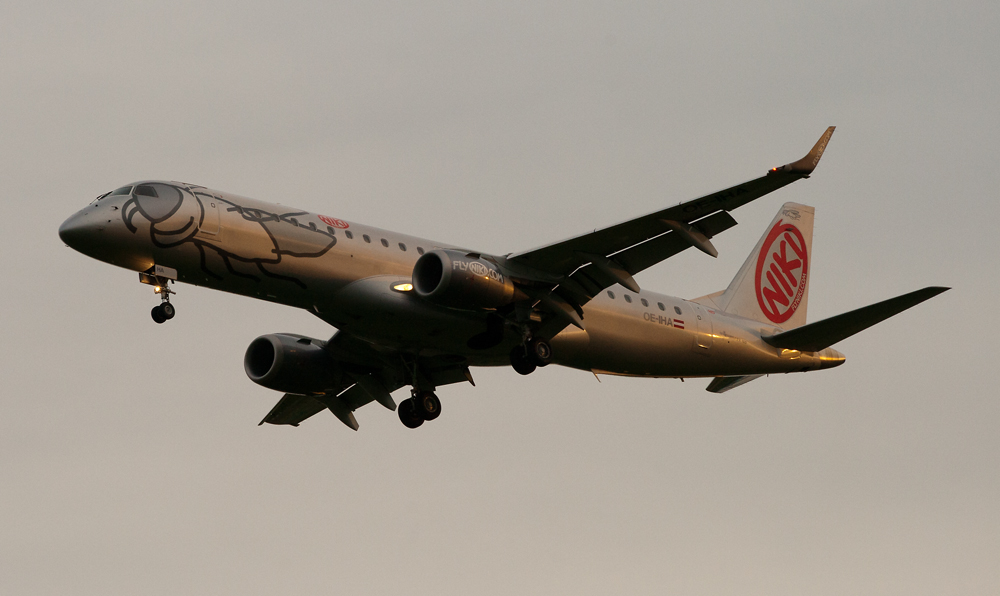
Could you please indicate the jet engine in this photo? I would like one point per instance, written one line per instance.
(453, 278)
(291, 363)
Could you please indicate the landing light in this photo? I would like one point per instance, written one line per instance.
(403, 287)
(157, 289)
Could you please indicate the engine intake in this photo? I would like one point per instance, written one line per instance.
(453, 278)
(291, 363)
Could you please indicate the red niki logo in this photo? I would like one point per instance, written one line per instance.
(782, 270)
(333, 221)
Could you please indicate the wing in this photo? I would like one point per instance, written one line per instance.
(584, 265)
(372, 375)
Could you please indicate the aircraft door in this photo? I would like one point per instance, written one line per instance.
(210, 223)
(703, 331)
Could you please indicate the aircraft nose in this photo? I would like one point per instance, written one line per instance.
(81, 231)
(830, 358)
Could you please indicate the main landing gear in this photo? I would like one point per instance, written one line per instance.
(534, 353)
(424, 405)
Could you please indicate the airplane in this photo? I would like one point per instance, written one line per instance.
(419, 313)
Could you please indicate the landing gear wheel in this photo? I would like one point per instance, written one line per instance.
(409, 413)
(167, 310)
(157, 314)
(519, 361)
(428, 405)
(539, 352)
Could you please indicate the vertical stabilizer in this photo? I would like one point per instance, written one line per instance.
(773, 285)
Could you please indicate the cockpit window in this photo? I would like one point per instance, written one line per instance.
(125, 190)
(145, 190)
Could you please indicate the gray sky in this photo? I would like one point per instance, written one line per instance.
(130, 454)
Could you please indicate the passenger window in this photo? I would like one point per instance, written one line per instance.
(660, 304)
(385, 243)
(312, 226)
(644, 303)
(349, 235)
(677, 310)
(367, 238)
(420, 251)
(628, 298)
(125, 190)
(145, 190)
(402, 247)
(611, 294)
(331, 230)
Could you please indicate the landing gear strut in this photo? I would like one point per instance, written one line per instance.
(423, 406)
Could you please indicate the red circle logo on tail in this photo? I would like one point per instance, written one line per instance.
(333, 221)
(782, 271)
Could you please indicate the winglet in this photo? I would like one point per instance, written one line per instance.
(807, 164)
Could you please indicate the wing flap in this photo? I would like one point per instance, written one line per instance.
(723, 384)
(293, 409)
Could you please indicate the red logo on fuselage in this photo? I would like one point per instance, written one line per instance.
(333, 221)
(782, 271)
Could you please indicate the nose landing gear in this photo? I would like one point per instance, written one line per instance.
(160, 277)
(164, 312)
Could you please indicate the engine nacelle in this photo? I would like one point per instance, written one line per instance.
(453, 278)
(291, 363)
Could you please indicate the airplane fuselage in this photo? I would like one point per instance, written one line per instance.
(353, 276)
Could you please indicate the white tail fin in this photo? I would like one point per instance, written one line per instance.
(773, 284)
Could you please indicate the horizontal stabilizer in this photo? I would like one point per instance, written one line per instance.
(823, 334)
(723, 384)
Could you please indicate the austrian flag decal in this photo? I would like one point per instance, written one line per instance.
(782, 271)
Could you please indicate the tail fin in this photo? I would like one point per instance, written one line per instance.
(773, 285)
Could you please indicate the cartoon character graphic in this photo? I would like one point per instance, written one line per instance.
(182, 215)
